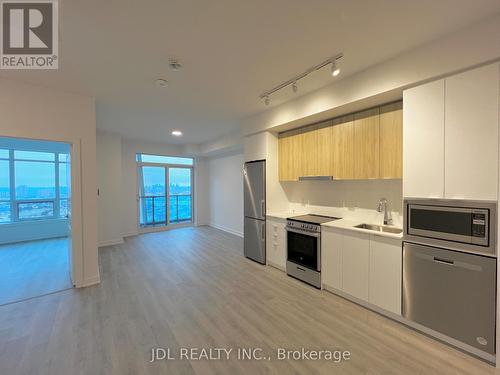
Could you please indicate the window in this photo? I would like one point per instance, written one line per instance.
(159, 205)
(4, 187)
(145, 158)
(33, 185)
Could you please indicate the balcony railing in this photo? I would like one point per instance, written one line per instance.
(180, 208)
(153, 210)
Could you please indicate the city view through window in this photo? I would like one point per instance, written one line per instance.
(33, 185)
(160, 205)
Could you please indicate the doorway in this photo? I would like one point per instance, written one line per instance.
(165, 190)
(35, 218)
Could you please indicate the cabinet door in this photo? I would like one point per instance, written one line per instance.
(325, 149)
(391, 140)
(331, 258)
(342, 147)
(309, 151)
(275, 244)
(289, 156)
(385, 273)
(366, 144)
(471, 129)
(355, 264)
(423, 141)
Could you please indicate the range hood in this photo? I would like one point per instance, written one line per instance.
(316, 178)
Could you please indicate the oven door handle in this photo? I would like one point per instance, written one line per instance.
(305, 233)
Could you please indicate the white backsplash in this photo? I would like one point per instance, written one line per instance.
(357, 200)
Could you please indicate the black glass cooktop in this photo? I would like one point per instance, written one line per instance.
(313, 219)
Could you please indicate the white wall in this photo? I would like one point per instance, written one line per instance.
(29, 111)
(201, 192)
(109, 179)
(33, 230)
(458, 51)
(225, 186)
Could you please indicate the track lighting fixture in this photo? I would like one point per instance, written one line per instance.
(265, 96)
(335, 69)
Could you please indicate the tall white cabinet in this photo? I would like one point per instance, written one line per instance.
(423, 141)
(471, 134)
(450, 136)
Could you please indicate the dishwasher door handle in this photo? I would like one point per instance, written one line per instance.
(444, 261)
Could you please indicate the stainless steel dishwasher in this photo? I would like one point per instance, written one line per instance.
(449, 271)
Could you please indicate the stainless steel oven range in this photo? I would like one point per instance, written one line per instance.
(304, 247)
(449, 271)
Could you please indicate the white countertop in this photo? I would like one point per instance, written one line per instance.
(347, 223)
(351, 225)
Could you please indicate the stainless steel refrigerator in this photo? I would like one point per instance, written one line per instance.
(254, 185)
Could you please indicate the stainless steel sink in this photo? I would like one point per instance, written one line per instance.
(379, 228)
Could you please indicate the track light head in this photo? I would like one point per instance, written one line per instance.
(335, 69)
(295, 88)
(267, 100)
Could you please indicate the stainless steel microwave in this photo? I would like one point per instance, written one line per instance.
(457, 224)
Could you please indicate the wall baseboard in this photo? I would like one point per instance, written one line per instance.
(225, 229)
(117, 241)
(90, 281)
(130, 234)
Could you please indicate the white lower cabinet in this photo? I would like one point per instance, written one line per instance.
(365, 266)
(385, 273)
(331, 259)
(276, 243)
(355, 264)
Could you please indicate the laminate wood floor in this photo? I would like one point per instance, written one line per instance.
(192, 287)
(34, 268)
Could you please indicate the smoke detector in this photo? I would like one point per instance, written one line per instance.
(160, 82)
(174, 64)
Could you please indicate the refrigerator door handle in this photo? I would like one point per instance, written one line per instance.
(262, 208)
(263, 232)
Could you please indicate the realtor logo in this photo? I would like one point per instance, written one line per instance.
(29, 37)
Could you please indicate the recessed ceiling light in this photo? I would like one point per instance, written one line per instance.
(160, 82)
(177, 133)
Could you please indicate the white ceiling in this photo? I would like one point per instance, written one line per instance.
(231, 51)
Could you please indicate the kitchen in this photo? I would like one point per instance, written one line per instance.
(256, 187)
(427, 255)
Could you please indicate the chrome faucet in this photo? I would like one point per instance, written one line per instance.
(382, 206)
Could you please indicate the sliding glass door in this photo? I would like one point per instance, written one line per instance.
(165, 194)
(152, 196)
(180, 194)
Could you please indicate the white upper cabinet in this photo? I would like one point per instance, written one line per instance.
(423, 141)
(471, 129)
(450, 136)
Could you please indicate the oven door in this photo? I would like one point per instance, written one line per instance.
(303, 248)
(456, 224)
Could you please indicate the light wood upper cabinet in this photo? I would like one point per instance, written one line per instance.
(342, 148)
(391, 140)
(325, 149)
(367, 144)
(289, 156)
(309, 151)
